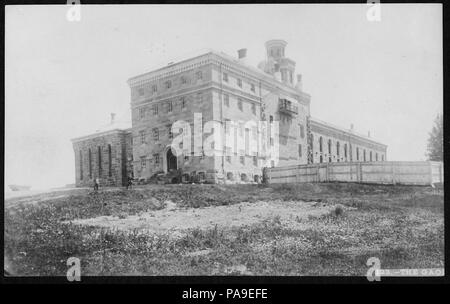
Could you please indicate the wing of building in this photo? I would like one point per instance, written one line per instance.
(215, 117)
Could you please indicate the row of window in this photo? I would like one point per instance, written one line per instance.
(225, 78)
(169, 83)
(345, 156)
(99, 162)
(226, 101)
(168, 106)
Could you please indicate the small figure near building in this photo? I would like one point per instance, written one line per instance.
(130, 183)
(96, 184)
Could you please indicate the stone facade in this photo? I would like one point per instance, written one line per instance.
(105, 155)
(334, 144)
(261, 116)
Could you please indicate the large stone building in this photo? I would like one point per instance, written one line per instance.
(215, 117)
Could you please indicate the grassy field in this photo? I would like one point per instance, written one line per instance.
(401, 225)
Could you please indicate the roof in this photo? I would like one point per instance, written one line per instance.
(116, 126)
(205, 52)
(345, 130)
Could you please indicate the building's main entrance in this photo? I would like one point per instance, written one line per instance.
(171, 161)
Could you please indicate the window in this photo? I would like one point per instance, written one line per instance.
(142, 136)
(302, 131)
(155, 134)
(225, 77)
(226, 99)
(382, 157)
(271, 119)
(350, 152)
(168, 84)
(253, 108)
(364, 154)
(239, 82)
(109, 161)
(240, 104)
(329, 150)
(337, 151)
(183, 80)
(200, 97)
(90, 163)
(186, 156)
(143, 163)
(299, 150)
(272, 163)
(376, 156)
(141, 92)
(169, 106)
(156, 158)
(169, 131)
(357, 154)
(321, 148)
(155, 88)
(255, 161)
(199, 75)
(99, 152)
(183, 102)
(370, 155)
(142, 113)
(242, 159)
(252, 87)
(345, 152)
(81, 165)
(155, 109)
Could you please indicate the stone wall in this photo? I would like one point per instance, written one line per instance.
(110, 165)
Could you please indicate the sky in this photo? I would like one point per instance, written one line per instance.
(63, 78)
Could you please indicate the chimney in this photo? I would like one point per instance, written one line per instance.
(242, 54)
(113, 115)
(299, 85)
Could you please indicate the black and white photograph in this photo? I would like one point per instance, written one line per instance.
(224, 140)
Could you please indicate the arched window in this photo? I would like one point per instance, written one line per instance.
(351, 152)
(364, 154)
(99, 161)
(329, 150)
(81, 165)
(357, 154)
(321, 148)
(345, 152)
(109, 161)
(337, 151)
(90, 163)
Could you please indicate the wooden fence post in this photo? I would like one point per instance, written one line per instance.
(393, 173)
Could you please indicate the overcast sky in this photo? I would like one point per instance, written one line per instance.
(64, 78)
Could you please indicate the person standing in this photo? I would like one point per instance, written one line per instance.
(129, 183)
(96, 184)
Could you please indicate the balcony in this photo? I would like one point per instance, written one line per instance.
(285, 106)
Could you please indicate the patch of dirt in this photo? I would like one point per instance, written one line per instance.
(173, 219)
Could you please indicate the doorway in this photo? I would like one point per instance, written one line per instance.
(171, 161)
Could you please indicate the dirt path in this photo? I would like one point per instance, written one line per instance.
(172, 218)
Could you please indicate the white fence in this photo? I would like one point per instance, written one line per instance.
(387, 172)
